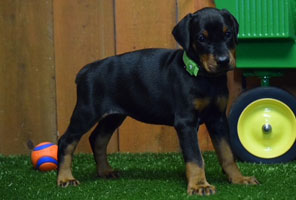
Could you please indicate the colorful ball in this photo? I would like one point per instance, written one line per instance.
(45, 156)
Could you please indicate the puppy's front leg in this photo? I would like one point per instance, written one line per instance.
(195, 171)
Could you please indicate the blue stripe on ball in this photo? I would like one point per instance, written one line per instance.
(43, 147)
(46, 160)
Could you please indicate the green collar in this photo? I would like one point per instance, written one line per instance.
(191, 66)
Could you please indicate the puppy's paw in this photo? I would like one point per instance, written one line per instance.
(66, 183)
(245, 180)
(201, 189)
(109, 174)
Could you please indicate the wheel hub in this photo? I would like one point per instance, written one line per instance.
(266, 128)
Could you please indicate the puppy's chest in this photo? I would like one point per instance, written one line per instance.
(204, 103)
(210, 95)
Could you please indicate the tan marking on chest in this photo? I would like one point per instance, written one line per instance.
(221, 102)
(201, 103)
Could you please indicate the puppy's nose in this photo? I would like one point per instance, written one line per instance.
(223, 60)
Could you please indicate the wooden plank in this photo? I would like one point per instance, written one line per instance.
(84, 32)
(144, 24)
(191, 6)
(27, 84)
(204, 3)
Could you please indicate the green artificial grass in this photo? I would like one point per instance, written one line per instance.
(143, 176)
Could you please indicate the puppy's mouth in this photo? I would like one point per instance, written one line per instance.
(214, 64)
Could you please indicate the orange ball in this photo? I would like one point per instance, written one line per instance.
(45, 156)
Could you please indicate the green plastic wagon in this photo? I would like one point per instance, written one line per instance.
(262, 120)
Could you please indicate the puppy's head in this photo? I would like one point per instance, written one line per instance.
(209, 37)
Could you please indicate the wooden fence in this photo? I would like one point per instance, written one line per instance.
(44, 43)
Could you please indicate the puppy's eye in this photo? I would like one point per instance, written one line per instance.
(228, 34)
(201, 38)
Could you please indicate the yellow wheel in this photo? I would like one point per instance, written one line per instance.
(263, 126)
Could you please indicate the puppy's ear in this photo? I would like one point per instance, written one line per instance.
(236, 27)
(234, 23)
(181, 32)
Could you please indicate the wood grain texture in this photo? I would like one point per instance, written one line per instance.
(84, 32)
(145, 24)
(204, 3)
(27, 84)
(44, 43)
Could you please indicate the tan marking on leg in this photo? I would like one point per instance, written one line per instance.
(197, 183)
(65, 177)
(201, 103)
(229, 166)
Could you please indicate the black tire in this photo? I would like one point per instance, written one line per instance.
(245, 105)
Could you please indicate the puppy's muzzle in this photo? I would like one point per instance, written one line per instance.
(218, 64)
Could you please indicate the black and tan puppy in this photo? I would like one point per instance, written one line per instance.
(180, 88)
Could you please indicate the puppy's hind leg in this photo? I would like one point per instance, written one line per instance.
(82, 120)
(99, 140)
